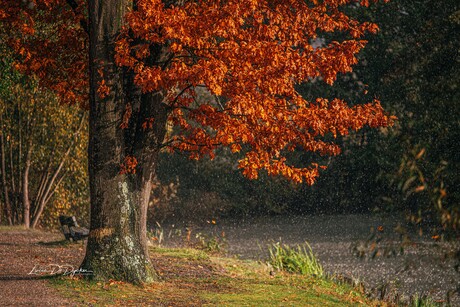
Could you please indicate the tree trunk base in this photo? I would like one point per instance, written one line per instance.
(117, 258)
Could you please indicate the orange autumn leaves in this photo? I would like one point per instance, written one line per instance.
(228, 71)
(129, 165)
(249, 56)
(49, 43)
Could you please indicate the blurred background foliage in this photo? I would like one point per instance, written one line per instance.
(412, 168)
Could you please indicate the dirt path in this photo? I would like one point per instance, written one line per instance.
(20, 252)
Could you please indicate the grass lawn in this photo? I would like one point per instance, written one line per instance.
(191, 277)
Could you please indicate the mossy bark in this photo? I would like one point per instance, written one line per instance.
(117, 246)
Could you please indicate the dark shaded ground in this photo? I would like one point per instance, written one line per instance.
(425, 267)
(20, 252)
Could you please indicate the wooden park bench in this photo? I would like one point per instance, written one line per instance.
(72, 231)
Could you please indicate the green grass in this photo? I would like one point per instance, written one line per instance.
(192, 278)
(186, 253)
(420, 301)
(295, 260)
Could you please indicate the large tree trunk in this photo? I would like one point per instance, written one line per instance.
(117, 244)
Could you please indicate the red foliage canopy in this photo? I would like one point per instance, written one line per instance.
(248, 56)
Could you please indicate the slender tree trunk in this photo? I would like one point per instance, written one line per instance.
(117, 244)
(7, 204)
(18, 188)
(13, 200)
(25, 188)
(29, 130)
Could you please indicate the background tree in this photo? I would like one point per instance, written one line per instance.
(411, 66)
(420, 65)
(40, 145)
(147, 58)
